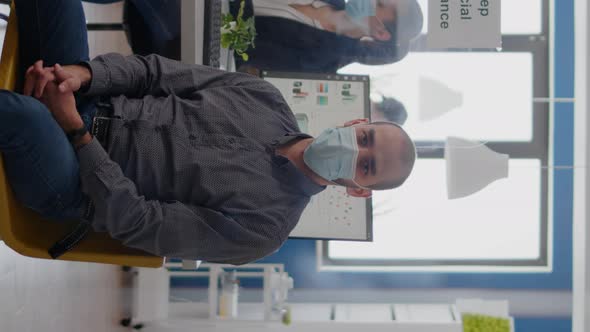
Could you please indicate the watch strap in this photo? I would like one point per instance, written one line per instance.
(76, 134)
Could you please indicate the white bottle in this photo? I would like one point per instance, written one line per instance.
(228, 301)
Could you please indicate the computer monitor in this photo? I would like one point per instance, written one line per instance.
(320, 101)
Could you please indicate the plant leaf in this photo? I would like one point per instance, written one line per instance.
(241, 36)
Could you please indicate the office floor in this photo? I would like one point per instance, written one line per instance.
(43, 295)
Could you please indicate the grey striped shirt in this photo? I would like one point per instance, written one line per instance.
(191, 170)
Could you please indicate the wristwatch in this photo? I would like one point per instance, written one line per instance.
(76, 134)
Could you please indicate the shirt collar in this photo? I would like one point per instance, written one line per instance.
(291, 174)
(288, 138)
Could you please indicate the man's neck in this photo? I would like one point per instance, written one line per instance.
(294, 152)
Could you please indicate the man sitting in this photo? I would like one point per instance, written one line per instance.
(189, 162)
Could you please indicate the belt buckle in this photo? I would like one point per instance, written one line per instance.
(100, 128)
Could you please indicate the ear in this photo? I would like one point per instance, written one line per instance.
(357, 121)
(377, 30)
(381, 35)
(359, 192)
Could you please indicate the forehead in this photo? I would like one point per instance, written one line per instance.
(388, 149)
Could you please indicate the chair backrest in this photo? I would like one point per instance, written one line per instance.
(26, 232)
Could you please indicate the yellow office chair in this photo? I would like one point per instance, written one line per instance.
(26, 232)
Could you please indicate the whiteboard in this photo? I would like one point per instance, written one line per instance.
(320, 101)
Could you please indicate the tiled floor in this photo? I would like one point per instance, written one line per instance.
(48, 296)
(44, 295)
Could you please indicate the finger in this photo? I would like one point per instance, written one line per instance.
(61, 73)
(381, 31)
(29, 81)
(31, 76)
(383, 34)
(30, 69)
(42, 81)
(37, 72)
(69, 83)
(38, 65)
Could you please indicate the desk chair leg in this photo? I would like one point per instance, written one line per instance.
(127, 322)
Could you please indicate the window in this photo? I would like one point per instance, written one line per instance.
(485, 95)
(445, 91)
(498, 223)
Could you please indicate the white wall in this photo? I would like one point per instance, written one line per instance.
(581, 232)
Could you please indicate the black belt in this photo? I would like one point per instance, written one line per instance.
(100, 131)
(102, 122)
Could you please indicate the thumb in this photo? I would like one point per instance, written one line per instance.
(68, 82)
(60, 73)
(69, 85)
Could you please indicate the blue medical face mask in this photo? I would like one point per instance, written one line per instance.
(359, 9)
(333, 154)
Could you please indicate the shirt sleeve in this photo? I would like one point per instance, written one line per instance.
(137, 76)
(170, 229)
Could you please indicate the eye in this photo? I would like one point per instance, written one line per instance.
(364, 139)
(366, 167)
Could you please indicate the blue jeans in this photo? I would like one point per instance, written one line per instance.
(41, 165)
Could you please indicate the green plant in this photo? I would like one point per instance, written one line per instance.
(238, 34)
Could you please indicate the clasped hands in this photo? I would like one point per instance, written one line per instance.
(54, 87)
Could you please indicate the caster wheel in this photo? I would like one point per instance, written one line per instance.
(125, 322)
(126, 268)
(137, 326)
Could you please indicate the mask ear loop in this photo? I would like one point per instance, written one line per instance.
(358, 186)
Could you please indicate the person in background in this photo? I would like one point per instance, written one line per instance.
(323, 36)
(389, 109)
(293, 35)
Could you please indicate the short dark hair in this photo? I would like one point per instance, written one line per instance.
(393, 110)
(408, 158)
(408, 21)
